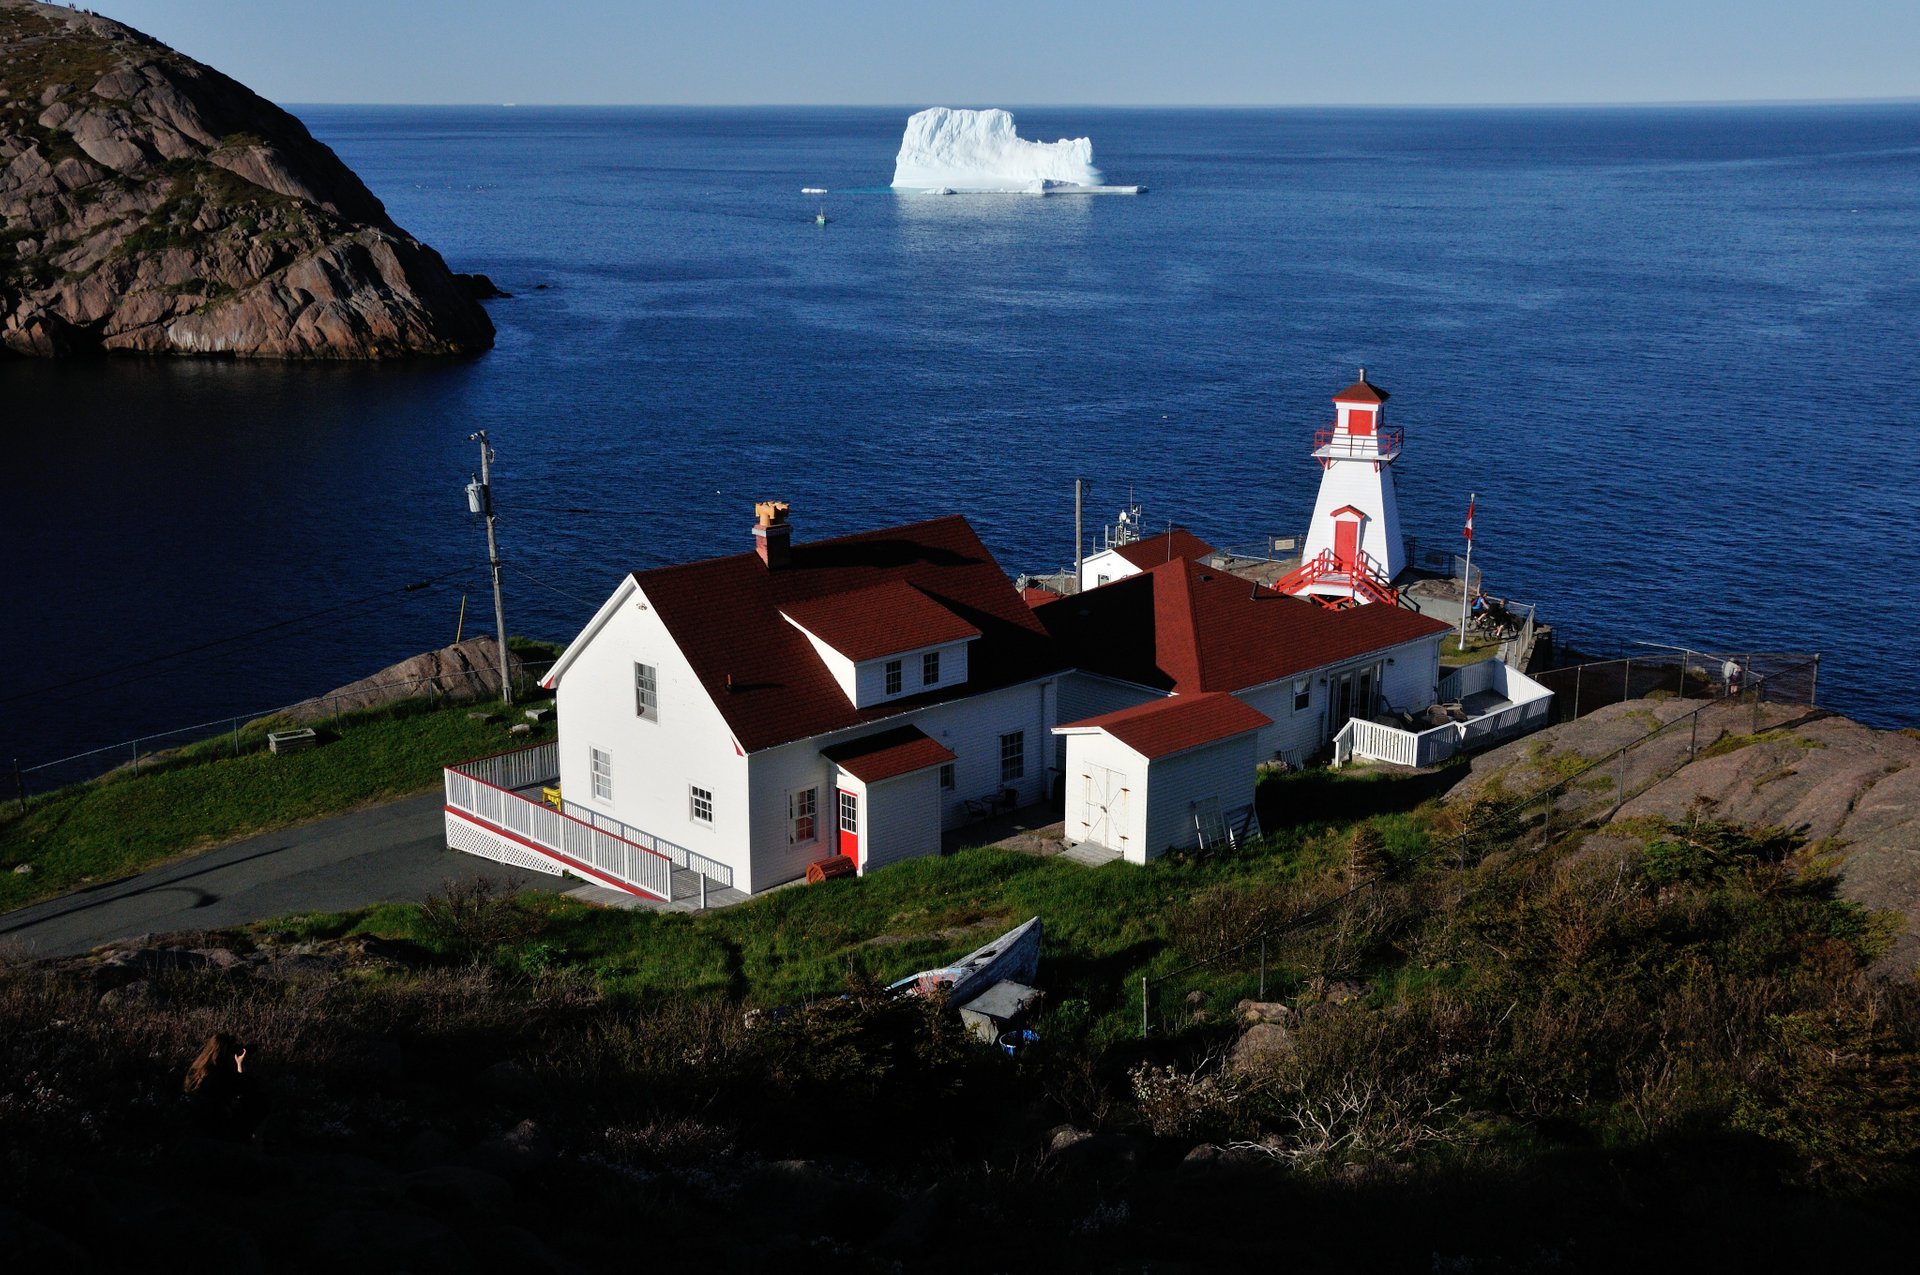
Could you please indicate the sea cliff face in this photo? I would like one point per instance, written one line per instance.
(151, 204)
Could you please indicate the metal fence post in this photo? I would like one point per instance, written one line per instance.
(1813, 687)
(1143, 1007)
(1626, 682)
(1621, 780)
(1263, 967)
(136, 756)
(1693, 741)
(1684, 657)
(1578, 674)
(236, 737)
(20, 784)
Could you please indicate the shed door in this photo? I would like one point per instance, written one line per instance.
(1104, 806)
(850, 825)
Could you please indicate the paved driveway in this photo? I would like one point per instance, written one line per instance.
(386, 853)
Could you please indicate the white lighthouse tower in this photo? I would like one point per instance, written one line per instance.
(1353, 551)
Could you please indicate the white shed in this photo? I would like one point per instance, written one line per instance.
(1155, 777)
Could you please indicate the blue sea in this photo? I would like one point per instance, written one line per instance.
(1671, 350)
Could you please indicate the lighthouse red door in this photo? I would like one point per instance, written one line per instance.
(1346, 541)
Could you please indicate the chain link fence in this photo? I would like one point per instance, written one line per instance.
(1684, 711)
(247, 732)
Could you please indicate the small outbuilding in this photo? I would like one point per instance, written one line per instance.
(1170, 774)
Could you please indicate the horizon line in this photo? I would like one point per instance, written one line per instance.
(1625, 104)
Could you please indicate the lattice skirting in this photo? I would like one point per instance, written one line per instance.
(473, 839)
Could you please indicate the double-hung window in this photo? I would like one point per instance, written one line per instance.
(1302, 693)
(646, 692)
(700, 804)
(893, 677)
(946, 777)
(600, 763)
(1013, 756)
(930, 669)
(803, 816)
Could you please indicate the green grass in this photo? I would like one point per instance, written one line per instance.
(1453, 655)
(203, 795)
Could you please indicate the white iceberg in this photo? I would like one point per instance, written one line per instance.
(947, 151)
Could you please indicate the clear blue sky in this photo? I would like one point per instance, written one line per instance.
(1108, 52)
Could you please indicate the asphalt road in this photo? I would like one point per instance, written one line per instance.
(387, 853)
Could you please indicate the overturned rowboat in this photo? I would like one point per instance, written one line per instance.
(1014, 956)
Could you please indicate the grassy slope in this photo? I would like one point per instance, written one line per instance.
(203, 795)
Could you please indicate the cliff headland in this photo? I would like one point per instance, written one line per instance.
(151, 204)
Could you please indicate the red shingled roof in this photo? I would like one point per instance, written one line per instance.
(1165, 726)
(725, 614)
(1362, 392)
(1168, 545)
(885, 619)
(899, 751)
(1188, 628)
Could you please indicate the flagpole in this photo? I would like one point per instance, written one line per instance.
(1466, 583)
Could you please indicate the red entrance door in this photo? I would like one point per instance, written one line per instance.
(1346, 541)
(850, 825)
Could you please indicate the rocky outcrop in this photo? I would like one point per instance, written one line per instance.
(468, 670)
(151, 204)
(1852, 790)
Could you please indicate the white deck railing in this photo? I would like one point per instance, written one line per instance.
(474, 789)
(1526, 709)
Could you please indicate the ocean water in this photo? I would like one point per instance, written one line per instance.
(1672, 350)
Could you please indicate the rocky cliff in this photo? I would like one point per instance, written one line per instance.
(151, 204)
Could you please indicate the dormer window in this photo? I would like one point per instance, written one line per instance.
(893, 677)
(930, 669)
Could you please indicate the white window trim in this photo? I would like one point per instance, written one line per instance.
(934, 657)
(641, 708)
(594, 776)
(1021, 736)
(1301, 686)
(693, 806)
(793, 815)
(893, 677)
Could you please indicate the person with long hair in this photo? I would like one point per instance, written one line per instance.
(222, 1096)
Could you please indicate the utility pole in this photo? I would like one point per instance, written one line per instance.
(480, 501)
(1079, 555)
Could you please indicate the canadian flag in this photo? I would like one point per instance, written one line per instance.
(1469, 531)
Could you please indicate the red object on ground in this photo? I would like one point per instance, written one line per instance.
(826, 869)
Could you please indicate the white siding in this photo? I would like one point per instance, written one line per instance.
(1103, 772)
(1084, 695)
(654, 762)
(970, 728)
(870, 678)
(1108, 563)
(902, 818)
(1149, 806)
(1223, 771)
(1409, 684)
(1367, 486)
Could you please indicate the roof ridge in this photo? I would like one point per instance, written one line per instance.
(871, 533)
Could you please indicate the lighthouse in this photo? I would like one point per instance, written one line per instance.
(1353, 551)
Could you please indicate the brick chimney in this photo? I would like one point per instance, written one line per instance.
(772, 536)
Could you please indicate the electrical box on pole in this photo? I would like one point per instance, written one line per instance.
(480, 501)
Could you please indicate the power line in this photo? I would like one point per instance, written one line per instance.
(551, 588)
(369, 599)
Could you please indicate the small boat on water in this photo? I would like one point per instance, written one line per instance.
(1014, 956)
(820, 219)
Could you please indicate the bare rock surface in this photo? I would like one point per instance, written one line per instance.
(150, 204)
(465, 670)
(1852, 790)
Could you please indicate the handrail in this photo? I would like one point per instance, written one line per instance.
(1383, 442)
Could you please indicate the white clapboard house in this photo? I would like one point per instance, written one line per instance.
(725, 723)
